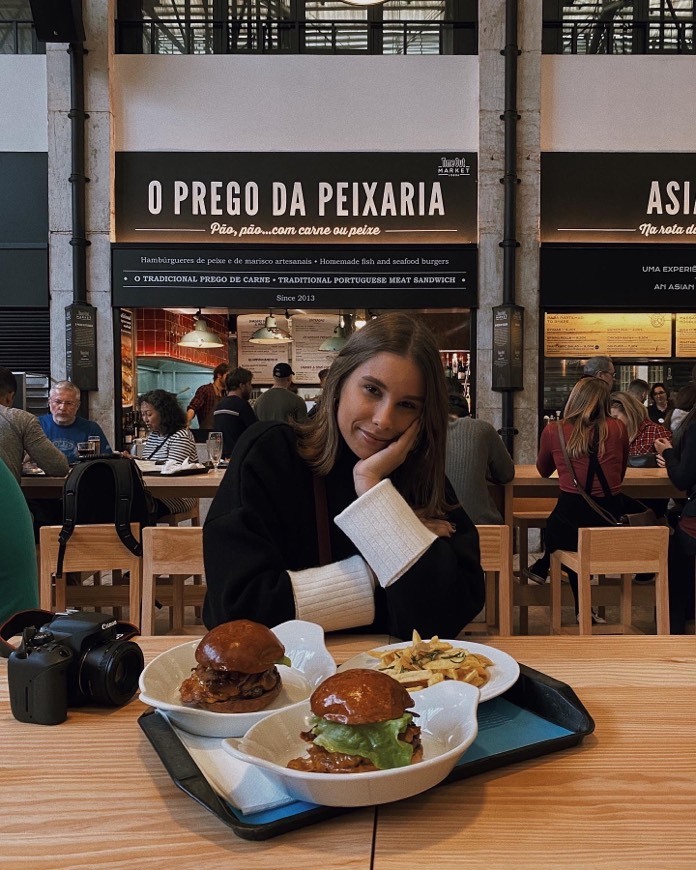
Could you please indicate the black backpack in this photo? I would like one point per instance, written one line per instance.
(105, 489)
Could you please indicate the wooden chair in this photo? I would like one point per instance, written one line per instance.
(176, 519)
(496, 559)
(91, 549)
(623, 550)
(529, 513)
(178, 552)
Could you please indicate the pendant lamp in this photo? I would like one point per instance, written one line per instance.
(270, 333)
(200, 336)
(336, 341)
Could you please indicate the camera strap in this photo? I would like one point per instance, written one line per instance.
(16, 624)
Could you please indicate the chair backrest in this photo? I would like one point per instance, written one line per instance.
(533, 505)
(495, 544)
(623, 549)
(173, 550)
(92, 548)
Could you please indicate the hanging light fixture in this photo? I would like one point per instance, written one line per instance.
(336, 341)
(200, 336)
(360, 320)
(270, 333)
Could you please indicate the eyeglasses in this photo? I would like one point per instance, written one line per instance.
(604, 372)
(659, 393)
(64, 402)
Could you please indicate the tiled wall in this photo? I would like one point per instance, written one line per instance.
(158, 332)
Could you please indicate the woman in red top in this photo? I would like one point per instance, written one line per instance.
(597, 446)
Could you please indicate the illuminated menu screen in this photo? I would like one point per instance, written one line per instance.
(686, 335)
(620, 335)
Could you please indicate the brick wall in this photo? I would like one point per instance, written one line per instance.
(158, 331)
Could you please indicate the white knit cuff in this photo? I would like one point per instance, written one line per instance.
(336, 596)
(386, 531)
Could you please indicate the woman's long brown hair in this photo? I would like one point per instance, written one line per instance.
(421, 479)
(587, 410)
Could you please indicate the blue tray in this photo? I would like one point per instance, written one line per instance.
(536, 716)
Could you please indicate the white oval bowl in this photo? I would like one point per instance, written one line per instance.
(311, 664)
(447, 718)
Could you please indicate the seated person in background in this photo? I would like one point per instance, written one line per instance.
(21, 433)
(348, 521)
(63, 427)
(638, 388)
(642, 432)
(660, 403)
(18, 576)
(475, 455)
(280, 402)
(168, 438)
(683, 403)
(234, 414)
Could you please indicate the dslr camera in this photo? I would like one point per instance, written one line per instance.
(75, 659)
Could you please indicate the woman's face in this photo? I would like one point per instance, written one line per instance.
(378, 402)
(619, 415)
(660, 397)
(150, 416)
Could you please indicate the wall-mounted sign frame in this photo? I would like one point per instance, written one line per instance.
(81, 345)
(296, 198)
(508, 348)
(633, 335)
(259, 278)
(626, 197)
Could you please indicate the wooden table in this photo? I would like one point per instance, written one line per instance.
(161, 486)
(92, 793)
(638, 483)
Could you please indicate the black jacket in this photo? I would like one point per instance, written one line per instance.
(262, 522)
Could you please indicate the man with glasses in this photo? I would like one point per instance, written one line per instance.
(63, 427)
(600, 367)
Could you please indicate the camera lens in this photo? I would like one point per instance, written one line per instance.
(109, 673)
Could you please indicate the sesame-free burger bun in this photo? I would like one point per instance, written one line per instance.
(360, 696)
(241, 645)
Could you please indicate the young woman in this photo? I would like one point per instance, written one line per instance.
(680, 460)
(642, 432)
(597, 446)
(168, 438)
(347, 520)
(660, 403)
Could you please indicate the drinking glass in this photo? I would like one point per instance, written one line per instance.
(214, 444)
(84, 448)
(95, 443)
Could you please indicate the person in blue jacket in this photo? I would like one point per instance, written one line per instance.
(63, 427)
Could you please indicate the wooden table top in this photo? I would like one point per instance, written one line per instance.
(92, 793)
(161, 486)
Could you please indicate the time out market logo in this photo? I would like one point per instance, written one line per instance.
(453, 166)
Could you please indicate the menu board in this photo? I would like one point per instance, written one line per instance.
(260, 358)
(686, 335)
(308, 332)
(622, 335)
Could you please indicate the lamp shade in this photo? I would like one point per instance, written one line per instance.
(200, 335)
(336, 341)
(270, 333)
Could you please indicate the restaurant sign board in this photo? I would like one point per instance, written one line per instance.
(338, 277)
(81, 345)
(349, 198)
(641, 198)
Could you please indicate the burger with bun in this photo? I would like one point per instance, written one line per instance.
(236, 671)
(360, 723)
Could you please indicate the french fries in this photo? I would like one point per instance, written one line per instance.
(426, 662)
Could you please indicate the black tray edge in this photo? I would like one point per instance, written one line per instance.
(534, 691)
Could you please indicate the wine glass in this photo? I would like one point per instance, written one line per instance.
(214, 445)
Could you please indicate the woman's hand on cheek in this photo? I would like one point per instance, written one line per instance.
(371, 471)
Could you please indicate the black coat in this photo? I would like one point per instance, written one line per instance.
(262, 523)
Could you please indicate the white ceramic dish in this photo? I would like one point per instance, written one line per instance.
(304, 646)
(447, 718)
(503, 673)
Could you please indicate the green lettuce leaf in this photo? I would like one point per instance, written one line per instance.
(284, 661)
(378, 742)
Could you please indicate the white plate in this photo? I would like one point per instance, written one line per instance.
(503, 673)
(304, 646)
(447, 718)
